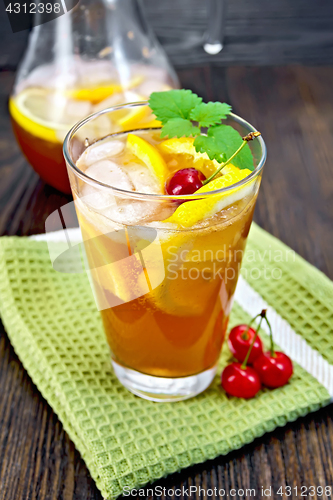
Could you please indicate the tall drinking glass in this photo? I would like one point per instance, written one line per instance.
(164, 290)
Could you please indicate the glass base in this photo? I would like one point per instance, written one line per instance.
(162, 389)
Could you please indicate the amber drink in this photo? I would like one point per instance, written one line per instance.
(164, 269)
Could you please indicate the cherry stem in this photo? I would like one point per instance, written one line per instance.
(262, 316)
(246, 139)
(271, 337)
(245, 334)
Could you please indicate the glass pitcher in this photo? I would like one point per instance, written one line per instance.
(99, 54)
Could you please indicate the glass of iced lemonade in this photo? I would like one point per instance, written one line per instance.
(164, 267)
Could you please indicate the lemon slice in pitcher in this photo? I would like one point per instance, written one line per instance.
(192, 212)
(133, 117)
(31, 111)
(98, 94)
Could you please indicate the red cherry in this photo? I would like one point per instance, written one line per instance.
(240, 340)
(274, 371)
(185, 181)
(240, 382)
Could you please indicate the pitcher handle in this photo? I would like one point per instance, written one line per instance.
(213, 41)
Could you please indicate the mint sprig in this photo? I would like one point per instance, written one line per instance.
(173, 104)
(221, 142)
(210, 113)
(179, 127)
(183, 114)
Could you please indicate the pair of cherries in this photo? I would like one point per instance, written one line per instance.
(272, 368)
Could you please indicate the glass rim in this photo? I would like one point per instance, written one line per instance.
(153, 196)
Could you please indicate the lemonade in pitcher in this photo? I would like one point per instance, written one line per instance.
(99, 54)
(165, 225)
(43, 110)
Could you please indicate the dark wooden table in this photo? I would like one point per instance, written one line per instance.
(293, 107)
(260, 32)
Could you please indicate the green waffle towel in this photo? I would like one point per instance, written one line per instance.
(56, 331)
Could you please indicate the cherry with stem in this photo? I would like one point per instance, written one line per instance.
(262, 316)
(273, 367)
(240, 339)
(239, 379)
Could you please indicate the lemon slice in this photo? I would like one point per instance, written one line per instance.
(137, 117)
(191, 212)
(121, 280)
(30, 109)
(97, 94)
(131, 118)
(152, 124)
(94, 95)
(172, 295)
(184, 145)
(134, 116)
(149, 156)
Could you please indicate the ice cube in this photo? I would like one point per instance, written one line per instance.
(47, 76)
(78, 109)
(130, 96)
(130, 212)
(109, 102)
(96, 129)
(150, 72)
(102, 126)
(95, 73)
(118, 98)
(95, 216)
(142, 179)
(149, 86)
(110, 173)
(100, 151)
(96, 198)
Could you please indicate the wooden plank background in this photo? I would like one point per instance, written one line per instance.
(258, 32)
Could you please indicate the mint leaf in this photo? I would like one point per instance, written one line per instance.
(210, 113)
(221, 142)
(204, 144)
(178, 127)
(173, 104)
(228, 140)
